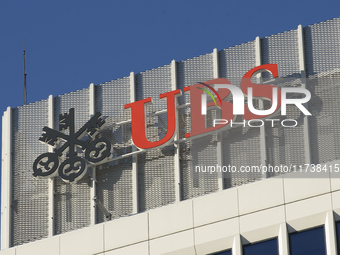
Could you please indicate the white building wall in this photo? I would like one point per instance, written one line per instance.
(223, 220)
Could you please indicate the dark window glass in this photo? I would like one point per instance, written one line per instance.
(268, 247)
(338, 235)
(309, 242)
(222, 253)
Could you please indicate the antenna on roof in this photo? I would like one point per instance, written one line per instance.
(25, 74)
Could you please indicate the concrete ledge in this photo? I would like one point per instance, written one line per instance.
(299, 186)
(88, 240)
(139, 248)
(126, 231)
(181, 243)
(260, 195)
(10, 251)
(335, 176)
(217, 236)
(261, 225)
(308, 213)
(45, 246)
(170, 219)
(336, 203)
(207, 209)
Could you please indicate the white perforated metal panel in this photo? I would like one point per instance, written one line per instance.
(201, 151)
(285, 146)
(322, 50)
(325, 119)
(282, 49)
(156, 176)
(236, 61)
(29, 194)
(72, 200)
(114, 179)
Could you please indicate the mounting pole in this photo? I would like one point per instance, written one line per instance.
(25, 74)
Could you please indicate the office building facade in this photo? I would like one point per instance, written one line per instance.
(153, 200)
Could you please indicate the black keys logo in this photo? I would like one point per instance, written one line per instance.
(68, 148)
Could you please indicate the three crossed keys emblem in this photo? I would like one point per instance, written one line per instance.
(67, 148)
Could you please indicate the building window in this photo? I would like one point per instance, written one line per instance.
(338, 235)
(269, 247)
(311, 242)
(222, 253)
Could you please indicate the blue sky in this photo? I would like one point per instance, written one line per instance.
(70, 44)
